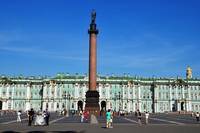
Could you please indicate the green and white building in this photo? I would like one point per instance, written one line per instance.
(123, 93)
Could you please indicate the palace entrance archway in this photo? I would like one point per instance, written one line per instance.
(182, 106)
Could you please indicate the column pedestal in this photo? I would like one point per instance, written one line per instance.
(92, 102)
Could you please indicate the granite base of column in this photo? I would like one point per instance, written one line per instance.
(92, 102)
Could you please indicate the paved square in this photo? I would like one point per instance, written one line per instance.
(158, 123)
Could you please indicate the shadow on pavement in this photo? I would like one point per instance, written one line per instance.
(9, 132)
(68, 132)
(45, 132)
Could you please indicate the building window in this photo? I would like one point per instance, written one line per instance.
(9, 105)
(52, 105)
(186, 95)
(159, 95)
(195, 96)
(167, 95)
(103, 92)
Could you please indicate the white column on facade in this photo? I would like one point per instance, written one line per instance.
(176, 90)
(84, 97)
(128, 106)
(178, 103)
(56, 96)
(13, 92)
(179, 106)
(128, 92)
(1, 88)
(170, 98)
(7, 96)
(139, 98)
(77, 86)
(183, 93)
(3, 97)
(44, 96)
(128, 98)
(82, 90)
(28, 97)
(133, 97)
(122, 98)
(189, 98)
(7, 90)
(61, 87)
(156, 98)
(107, 92)
(51, 96)
(133, 105)
(107, 104)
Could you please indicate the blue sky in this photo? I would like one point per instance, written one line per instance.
(138, 37)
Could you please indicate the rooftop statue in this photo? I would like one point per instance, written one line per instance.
(93, 16)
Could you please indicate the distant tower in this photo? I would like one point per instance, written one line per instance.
(189, 72)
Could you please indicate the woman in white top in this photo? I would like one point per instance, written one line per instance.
(19, 116)
(147, 117)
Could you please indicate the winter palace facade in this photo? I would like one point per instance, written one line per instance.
(117, 93)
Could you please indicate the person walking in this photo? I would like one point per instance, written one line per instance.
(30, 116)
(147, 117)
(19, 116)
(139, 115)
(111, 120)
(197, 116)
(82, 116)
(47, 118)
(86, 115)
(108, 118)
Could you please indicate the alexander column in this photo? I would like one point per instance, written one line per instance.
(92, 95)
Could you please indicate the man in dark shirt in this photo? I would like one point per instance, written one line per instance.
(30, 116)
